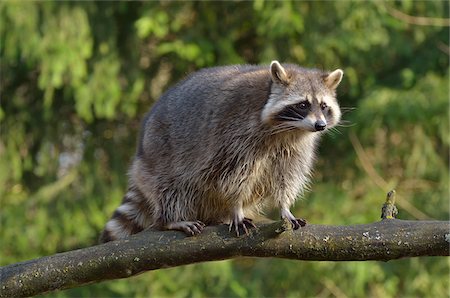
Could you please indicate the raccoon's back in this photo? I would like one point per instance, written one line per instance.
(209, 107)
(210, 92)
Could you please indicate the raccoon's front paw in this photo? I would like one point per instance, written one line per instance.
(243, 224)
(296, 222)
(191, 228)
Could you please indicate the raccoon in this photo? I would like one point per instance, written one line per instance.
(222, 144)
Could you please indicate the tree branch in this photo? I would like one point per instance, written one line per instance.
(386, 240)
(416, 20)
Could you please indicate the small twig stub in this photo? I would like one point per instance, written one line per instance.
(389, 211)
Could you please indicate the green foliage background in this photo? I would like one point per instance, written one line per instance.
(77, 78)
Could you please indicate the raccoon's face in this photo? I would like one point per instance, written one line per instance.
(302, 99)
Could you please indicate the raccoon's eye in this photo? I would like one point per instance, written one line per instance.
(323, 106)
(304, 105)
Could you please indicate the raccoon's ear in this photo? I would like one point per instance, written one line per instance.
(278, 73)
(333, 79)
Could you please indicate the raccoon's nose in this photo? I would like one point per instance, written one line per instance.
(320, 125)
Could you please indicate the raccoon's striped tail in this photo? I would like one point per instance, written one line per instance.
(131, 217)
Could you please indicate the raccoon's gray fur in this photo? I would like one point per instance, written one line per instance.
(224, 142)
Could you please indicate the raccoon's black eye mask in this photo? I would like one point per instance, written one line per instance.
(294, 112)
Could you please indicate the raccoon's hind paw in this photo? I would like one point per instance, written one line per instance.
(191, 228)
(243, 224)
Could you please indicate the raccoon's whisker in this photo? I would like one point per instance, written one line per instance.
(288, 118)
(334, 131)
(281, 128)
(278, 127)
(347, 110)
(346, 125)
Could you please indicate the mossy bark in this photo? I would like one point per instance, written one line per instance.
(386, 240)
